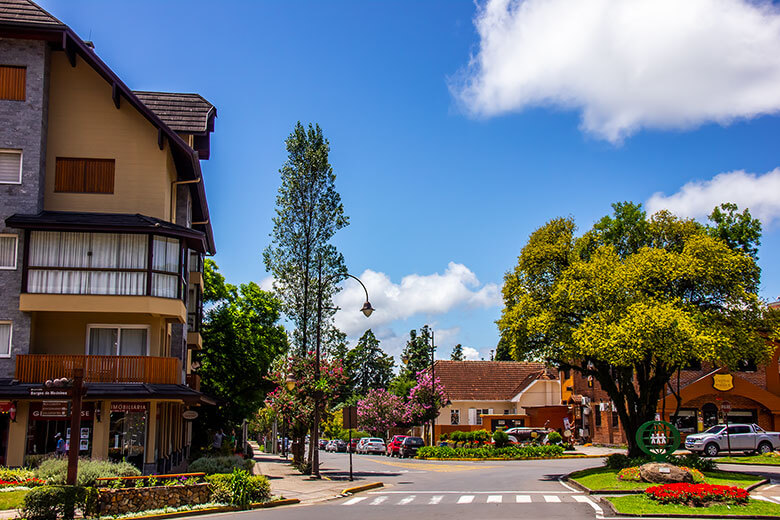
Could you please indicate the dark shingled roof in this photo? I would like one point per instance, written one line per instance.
(187, 113)
(116, 222)
(12, 389)
(489, 380)
(24, 12)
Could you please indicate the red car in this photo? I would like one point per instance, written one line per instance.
(394, 446)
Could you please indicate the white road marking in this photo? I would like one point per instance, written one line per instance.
(378, 500)
(494, 499)
(354, 500)
(406, 500)
(564, 484)
(552, 498)
(466, 499)
(435, 499)
(523, 499)
(586, 500)
(474, 492)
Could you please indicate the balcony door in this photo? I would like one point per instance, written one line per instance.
(118, 340)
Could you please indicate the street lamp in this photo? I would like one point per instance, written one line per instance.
(289, 383)
(433, 390)
(367, 310)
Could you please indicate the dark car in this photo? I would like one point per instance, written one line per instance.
(394, 446)
(323, 443)
(410, 445)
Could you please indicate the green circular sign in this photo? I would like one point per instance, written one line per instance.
(659, 439)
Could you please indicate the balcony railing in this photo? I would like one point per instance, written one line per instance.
(37, 368)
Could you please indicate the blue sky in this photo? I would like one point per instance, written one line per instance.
(457, 129)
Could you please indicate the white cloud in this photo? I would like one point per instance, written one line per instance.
(757, 192)
(432, 294)
(471, 354)
(267, 283)
(626, 64)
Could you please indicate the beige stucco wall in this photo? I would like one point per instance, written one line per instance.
(101, 430)
(17, 436)
(464, 406)
(66, 332)
(541, 393)
(83, 122)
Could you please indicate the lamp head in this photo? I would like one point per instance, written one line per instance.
(290, 383)
(367, 309)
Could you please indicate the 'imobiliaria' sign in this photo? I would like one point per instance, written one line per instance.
(129, 407)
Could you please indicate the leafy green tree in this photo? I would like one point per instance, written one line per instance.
(503, 350)
(215, 288)
(631, 303)
(740, 231)
(368, 367)
(457, 353)
(241, 337)
(416, 356)
(308, 214)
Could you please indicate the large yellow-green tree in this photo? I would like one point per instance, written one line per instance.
(634, 300)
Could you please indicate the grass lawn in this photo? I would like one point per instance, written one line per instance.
(606, 479)
(11, 499)
(641, 505)
(750, 459)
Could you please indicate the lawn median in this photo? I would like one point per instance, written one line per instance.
(604, 480)
(640, 505)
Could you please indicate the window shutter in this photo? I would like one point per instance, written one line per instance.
(69, 175)
(7, 253)
(10, 166)
(472, 416)
(74, 175)
(12, 83)
(99, 176)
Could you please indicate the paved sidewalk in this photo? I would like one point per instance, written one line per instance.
(288, 482)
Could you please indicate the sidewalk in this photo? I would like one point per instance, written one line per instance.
(286, 481)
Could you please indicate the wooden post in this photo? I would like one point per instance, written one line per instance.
(75, 426)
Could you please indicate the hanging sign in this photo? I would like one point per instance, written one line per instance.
(189, 415)
(723, 382)
(54, 409)
(47, 392)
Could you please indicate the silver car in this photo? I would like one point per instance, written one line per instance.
(748, 438)
(371, 445)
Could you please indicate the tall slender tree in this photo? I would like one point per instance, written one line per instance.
(368, 367)
(457, 353)
(416, 356)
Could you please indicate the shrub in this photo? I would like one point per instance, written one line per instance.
(51, 502)
(554, 438)
(55, 471)
(15, 475)
(457, 437)
(501, 439)
(691, 460)
(257, 487)
(444, 436)
(485, 452)
(481, 436)
(621, 461)
(697, 495)
(34, 460)
(629, 474)
(214, 465)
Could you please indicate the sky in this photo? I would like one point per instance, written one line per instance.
(458, 128)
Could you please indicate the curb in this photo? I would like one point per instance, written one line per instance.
(222, 509)
(493, 459)
(364, 487)
(615, 512)
(762, 464)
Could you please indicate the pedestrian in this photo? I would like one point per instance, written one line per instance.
(218, 437)
(61, 448)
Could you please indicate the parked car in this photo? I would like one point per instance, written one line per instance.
(394, 446)
(336, 445)
(352, 445)
(371, 445)
(323, 443)
(749, 438)
(522, 434)
(410, 445)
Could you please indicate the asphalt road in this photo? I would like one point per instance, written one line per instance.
(436, 489)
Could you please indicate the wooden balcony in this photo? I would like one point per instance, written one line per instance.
(37, 368)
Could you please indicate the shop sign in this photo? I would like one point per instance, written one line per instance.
(9, 408)
(723, 382)
(47, 392)
(46, 411)
(129, 407)
(189, 415)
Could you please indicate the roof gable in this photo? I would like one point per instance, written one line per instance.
(186, 113)
(25, 12)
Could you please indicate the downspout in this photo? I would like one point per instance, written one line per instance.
(173, 194)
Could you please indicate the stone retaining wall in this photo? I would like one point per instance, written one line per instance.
(120, 501)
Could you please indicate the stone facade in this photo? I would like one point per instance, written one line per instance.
(132, 500)
(24, 128)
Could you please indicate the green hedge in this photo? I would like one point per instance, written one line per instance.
(221, 464)
(52, 502)
(55, 471)
(489, 452)
(235, 488)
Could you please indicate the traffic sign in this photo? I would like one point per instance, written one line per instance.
(725, 407)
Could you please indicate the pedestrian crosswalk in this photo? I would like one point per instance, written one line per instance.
(425, 498)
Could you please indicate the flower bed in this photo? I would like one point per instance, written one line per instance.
(489, 452)
(632, 474)
(697, 495)
(26, 483)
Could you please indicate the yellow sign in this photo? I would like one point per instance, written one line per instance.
(723, 382)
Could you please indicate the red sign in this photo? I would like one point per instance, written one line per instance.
(725, 406)
(129, 407)
(9, 408)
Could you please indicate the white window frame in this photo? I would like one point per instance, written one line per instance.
(10, 338)
(21, 162)
(16, 252)
(119, 326)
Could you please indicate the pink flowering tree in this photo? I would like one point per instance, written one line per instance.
(426, 398)
(379, 411)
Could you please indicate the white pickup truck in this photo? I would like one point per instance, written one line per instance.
(748, 438)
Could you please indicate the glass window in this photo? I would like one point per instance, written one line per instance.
(5, 338)
(10, 166)
(127, 435)
(455, 417)
(481, 411)
(686, 421)
(739, 429)
(597, 414)
(714, 429)
(121, 341)
(8, 251)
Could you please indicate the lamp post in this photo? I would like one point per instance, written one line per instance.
(433, 390)
(367, 310)
(289, 383)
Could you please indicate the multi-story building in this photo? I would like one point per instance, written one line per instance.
(103, 228)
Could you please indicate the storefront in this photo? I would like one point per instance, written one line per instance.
(50, 418)
(127, 432)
